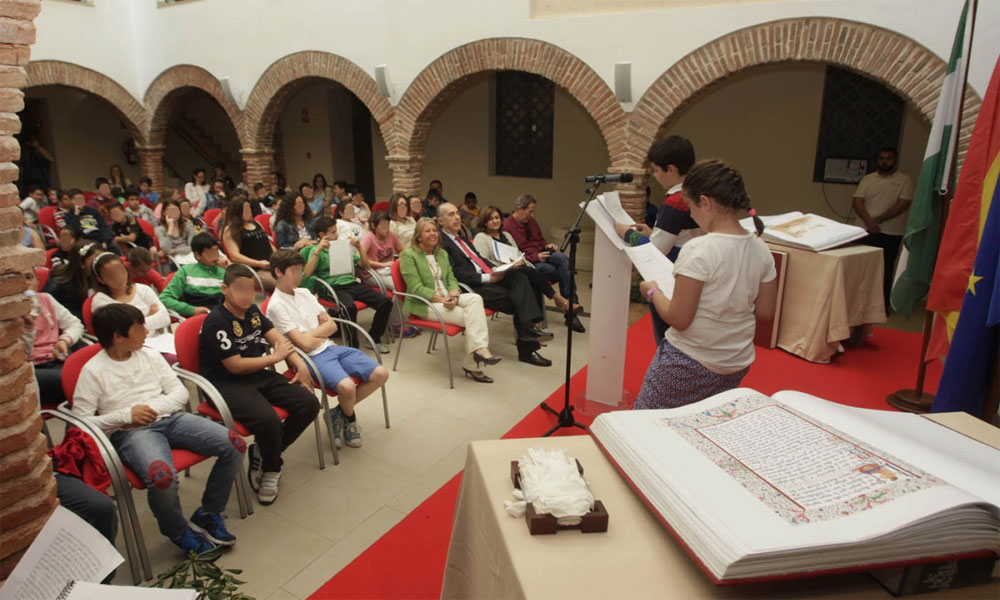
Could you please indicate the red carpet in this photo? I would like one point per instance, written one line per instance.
(408, 561)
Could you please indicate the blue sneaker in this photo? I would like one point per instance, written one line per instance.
(212, 527)
(192, 541)
(339, 423)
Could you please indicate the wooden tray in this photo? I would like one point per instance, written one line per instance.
(596, 521)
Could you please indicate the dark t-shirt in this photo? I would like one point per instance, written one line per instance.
(129, 227)
(674, 216)
(254, 243)
(224, 335)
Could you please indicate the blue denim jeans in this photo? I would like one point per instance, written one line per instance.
(556, 269)
(146, 451)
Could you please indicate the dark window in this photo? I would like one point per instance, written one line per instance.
(525, 109)
(859, 116)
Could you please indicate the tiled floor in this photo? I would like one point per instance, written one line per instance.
(323, 519)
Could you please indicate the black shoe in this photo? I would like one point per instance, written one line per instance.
(477, 378)
(534, 335)
(543, 336)
(482, 360)
(576, 325)
(535, 359)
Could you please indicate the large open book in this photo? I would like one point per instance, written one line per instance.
(807, 231)
(757, 487)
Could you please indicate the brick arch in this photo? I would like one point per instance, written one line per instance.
(903, 65)
(164, 92)
(439, 82)
(113, 95)
(290, 74)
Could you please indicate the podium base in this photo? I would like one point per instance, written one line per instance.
(910, 401)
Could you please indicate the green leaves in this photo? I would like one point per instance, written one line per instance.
(199, 572)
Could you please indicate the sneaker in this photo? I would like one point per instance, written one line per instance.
(255, 470)
(339, 422)
(213, 527)
(382, 348)
(352, 435)
(411, 332)
(268, 491)
(192, 541)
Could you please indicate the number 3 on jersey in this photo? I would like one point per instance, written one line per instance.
(224, 342)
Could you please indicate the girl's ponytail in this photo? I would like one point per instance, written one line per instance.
(757, 223)
(724, 184)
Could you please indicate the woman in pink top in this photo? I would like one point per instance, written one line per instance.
(55, 331)
(382, 247)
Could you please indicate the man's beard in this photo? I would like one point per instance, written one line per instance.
(888, 169)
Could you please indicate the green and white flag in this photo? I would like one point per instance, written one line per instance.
(920, 241)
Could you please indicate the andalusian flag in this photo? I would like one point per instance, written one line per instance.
(966, 224)
(920, 242)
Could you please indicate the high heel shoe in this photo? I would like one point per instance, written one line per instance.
(477, 378)
(483, 360)
(562, 304)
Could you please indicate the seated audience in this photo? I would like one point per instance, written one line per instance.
(382, 248)
(401, 224)
(362, 213)
(427, 272)
(30, 238)
(175, 233)
(506, 291)
(136, 208)
(490, 227)
(293, 224)
(113, 284)
(55, 331)
(134, 397)
(216, 195)
(140, 269)
(432, 203)
(469, 212)
(343, 215)
(117, 179)
(308, 194)
(104, 198)
(554, 265)
(196, 190)
(345, 285)
(87, 219)
(322, 195)
(416, 207)
(127, 229)
(197, 286)
(32, 203)
(300, 317)
(70, 282)
(149, 197)
(245, 241)
(340, 192)
(197, 222)
(233, 359)
(69, 235)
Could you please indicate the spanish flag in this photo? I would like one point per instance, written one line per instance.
(973, 230)
(966, 223)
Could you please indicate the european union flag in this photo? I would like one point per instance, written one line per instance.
(974, 347)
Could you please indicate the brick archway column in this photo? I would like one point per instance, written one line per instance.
(633, 194)
(406, 172)
(151, 164)
(259, 162)
(27, 487)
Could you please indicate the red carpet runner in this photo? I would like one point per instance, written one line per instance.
(408, 561)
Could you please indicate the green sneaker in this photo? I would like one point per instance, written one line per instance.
(352, 435)
(339, 423)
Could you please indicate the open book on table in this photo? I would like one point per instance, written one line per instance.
(806, 231)
(759, 487)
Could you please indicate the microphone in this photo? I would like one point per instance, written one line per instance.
(609, 178)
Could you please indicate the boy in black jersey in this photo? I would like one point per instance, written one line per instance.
(233, 341)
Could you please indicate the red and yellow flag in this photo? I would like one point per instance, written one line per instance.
(966, 219)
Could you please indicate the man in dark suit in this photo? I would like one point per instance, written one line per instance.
(508, 291)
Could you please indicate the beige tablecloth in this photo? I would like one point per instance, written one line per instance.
(827, 293)
(492, 555)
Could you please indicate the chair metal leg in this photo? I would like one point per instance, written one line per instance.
(430, 342)
(447, 355)
(399, 350)
(385, 407)
(328, 419)
(319, 444)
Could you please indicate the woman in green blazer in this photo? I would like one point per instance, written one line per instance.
(427, 273)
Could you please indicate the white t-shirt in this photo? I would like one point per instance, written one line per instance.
(108, 389)
(880, 193)
(144, 299)
(732, 268)
(298, 312)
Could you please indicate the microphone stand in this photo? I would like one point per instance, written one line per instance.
(564, 417)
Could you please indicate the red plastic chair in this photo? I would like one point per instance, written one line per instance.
(48, 259)
(88, 317)
(47, 223)
(265, 223)
(42, 275)
(123, 479)
(215, 408)
(210, 216)
(434, 323)
(383, 206)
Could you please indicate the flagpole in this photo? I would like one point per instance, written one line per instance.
(916, 400)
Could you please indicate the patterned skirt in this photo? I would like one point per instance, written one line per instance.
(675, 379)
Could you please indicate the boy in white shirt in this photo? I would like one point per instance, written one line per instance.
(300, 317)
(132, 395)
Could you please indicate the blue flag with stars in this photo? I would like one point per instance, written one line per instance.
(966, 378)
